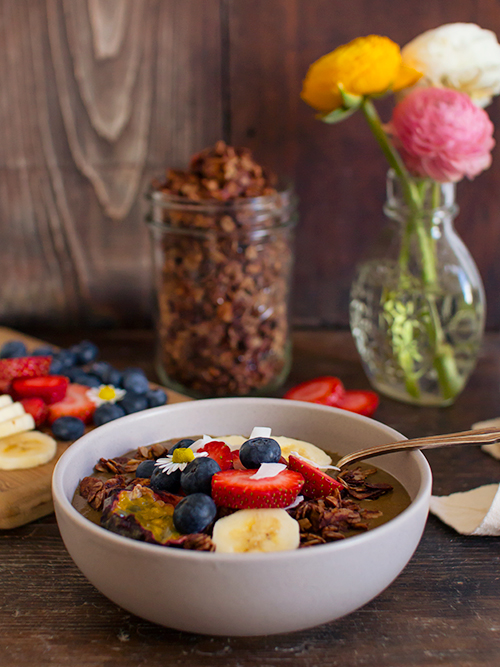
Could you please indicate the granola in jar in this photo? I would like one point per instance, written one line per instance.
(222, 241)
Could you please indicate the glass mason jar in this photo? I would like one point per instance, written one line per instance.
(417, 305)
(223, 273)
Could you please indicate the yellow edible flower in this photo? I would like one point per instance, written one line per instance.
(366, 66)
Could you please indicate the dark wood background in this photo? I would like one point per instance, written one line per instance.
(97, 96)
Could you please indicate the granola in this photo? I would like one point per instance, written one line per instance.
(224, 234)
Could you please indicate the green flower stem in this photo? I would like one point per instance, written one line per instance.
(393, 157)
(415, 195)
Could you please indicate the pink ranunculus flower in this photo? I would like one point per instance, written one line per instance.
(442, 135)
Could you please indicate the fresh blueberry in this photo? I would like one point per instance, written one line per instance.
(87, 379)
(85, 352)
(197, 475)
(132, 402)
(184, 443)
(68, 428)
(107, 412)
(56, 366)
(259, 450)
(13, 348)
(62, 360)
(194, 513)
(78, 375)
(145, 469)
(162, 481)
(113, 377)
(105, 372)
(133, 379)
(156, 397)
(43, 351)
(73, 373)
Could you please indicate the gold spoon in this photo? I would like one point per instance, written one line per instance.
(483, 436)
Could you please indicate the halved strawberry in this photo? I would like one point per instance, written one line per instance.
(76, 403)
(220, 452)
(37, 408)
(51, 388)
(317, 483)
(237, 464)
(28, 367)
(237, 489)
(362, 402)
(327, 390)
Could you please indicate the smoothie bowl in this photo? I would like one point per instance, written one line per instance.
(244, 594)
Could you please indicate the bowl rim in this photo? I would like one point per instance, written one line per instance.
(64, 505)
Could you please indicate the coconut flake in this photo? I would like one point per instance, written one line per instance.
(268, 470)
(201, 442)
(260, 432)
(296, 502)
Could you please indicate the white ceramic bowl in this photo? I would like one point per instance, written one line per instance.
(241, 594)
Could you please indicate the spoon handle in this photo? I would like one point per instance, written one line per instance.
(484, 436)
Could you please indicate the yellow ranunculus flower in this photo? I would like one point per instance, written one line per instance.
(366, 66)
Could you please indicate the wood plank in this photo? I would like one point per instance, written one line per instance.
(25, 495)
(98, 98)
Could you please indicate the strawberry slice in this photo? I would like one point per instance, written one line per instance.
(327, 390)
(317, 483)
(237, 464)
(50, 388)
(237, 489)
(220, 452)
(37, 408)
(28, 367)
(362, 402)
(76, 403)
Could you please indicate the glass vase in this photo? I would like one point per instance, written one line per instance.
(417, 304)
(222, 274)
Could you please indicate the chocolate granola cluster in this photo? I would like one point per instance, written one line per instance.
(224, 277)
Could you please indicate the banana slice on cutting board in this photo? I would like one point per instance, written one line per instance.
(23, 422)
(11, 411)
(256, 530)
(26, 450)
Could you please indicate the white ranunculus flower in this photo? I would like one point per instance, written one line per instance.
(461, 56)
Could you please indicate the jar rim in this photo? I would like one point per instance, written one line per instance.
(282, 204)
(285, 195)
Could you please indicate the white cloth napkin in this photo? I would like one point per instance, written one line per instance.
(474, 512)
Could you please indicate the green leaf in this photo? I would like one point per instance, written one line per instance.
(349, 100)
(337, 115)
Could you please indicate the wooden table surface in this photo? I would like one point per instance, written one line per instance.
(444, 609)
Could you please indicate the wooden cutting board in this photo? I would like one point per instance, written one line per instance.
(25, 495)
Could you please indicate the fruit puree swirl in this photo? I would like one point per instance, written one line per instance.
(231, 494)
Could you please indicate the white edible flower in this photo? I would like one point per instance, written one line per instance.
(180, 458)
(461, 56)
(105, 393)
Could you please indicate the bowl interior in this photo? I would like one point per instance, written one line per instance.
(331, 429)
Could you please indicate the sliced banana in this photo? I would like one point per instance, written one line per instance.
(304, 449)
(19, 424)
(234, 442)
(11, 411)
(256, 530)
(26, 450)
(5, 399)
